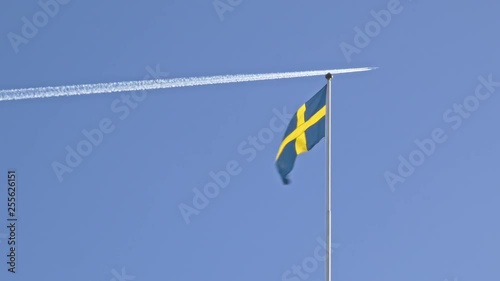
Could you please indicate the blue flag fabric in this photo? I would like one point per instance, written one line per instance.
(304, 131)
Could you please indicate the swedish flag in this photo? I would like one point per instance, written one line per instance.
(305, 130)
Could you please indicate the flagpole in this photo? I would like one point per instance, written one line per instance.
(328, 178)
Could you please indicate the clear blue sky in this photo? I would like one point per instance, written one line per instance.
(119, 208)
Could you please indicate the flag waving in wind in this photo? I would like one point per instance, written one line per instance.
(305, 130)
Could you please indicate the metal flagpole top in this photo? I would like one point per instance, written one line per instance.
(328, 76)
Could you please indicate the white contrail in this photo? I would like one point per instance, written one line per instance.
(101, 88)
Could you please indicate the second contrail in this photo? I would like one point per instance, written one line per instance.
(103, 88)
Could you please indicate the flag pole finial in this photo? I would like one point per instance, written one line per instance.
(328, 76)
